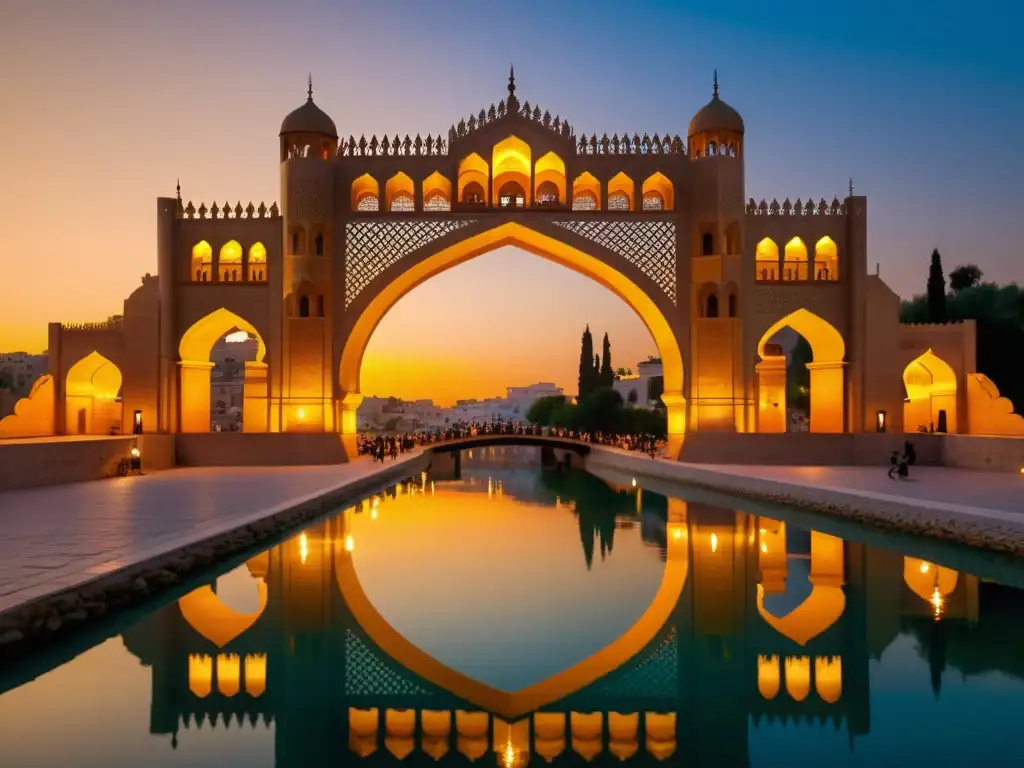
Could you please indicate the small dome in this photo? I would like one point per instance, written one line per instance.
(716, 115)
(309, 118)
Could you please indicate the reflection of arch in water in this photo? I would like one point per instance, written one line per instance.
(932, 583)
(512, 705)
(210, 617)
(827, 601)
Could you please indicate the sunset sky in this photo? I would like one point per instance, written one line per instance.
(105, 104)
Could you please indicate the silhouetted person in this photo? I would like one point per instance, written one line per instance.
(910, 453)
(894, 464)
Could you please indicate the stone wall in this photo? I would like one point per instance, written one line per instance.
(813, 449)
(1000, 454)
(227, 449)
(37, 462)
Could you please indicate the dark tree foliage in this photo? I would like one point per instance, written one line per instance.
(936, 290)
(587, 379)
(965, 276)
(606, 375)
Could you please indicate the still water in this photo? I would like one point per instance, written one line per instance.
(504, 611)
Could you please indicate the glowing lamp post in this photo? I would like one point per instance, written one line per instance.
(135, 463)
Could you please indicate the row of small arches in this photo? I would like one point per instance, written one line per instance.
(229, 674)
(232, 264)
(709, 302)
(513, 182)
(796, 672)
(793, 263)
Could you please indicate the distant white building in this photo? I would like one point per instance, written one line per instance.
(18, 371)
(643, 388)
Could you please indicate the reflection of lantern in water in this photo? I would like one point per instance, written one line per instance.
(303, 548)
(350, 543)
(714, 542)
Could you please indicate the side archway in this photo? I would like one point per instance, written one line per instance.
(194, 369)
(620, 280)
(91, 393)
(931, 395)
(828, 350)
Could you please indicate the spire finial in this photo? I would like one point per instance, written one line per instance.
(511, 80)
(851, 187)
(716, 84)
(177, 188)
(309, 92)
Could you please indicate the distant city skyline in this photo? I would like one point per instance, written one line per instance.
(916, 107)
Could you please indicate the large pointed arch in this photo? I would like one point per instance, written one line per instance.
(195, 365)
(828, 411)
(91, 389)
(513, 233)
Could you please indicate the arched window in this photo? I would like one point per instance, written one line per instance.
(511, 195)
(437, 202)
(473, 194)
(304, 306)
(368, 203)
(732, 305)
(632, 396)
(618, 201)
(318, 244)
(320, 306)
(403, 203)
(653, 202)
(584, 201)
(707, 244)
(712, 306)
(547, 193)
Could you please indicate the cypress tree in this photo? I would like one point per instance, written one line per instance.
(586, 381)
(606, 376)
(936, 290)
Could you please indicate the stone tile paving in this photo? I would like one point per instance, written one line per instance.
(56, 537)
(1000, 492)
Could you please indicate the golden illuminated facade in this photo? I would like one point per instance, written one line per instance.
(684, 682)
(663, 221)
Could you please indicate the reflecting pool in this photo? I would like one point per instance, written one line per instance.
(507, 609)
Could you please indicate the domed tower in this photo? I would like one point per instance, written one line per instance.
(720, 292)
(309, 141)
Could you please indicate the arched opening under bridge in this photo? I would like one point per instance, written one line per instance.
(651, 306)
(800, 376)
(222, 377)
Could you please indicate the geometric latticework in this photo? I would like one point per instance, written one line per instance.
(655, 676)
(373, 246)
(650, 246)
(366, 673)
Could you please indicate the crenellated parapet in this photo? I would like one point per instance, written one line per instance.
(626, 145)
(393, 147)
(786, 208)
(110, 324)
(215, 211)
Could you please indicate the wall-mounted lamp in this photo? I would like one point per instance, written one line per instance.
(137, 423)
(880, 421)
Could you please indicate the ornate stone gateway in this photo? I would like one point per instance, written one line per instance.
(662, 222)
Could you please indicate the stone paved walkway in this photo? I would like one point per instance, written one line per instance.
(54, 538)
(1001, 492)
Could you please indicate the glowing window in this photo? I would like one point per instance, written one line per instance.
(403, 203)
(368, 203)
(618, 201)
(653, 202)
(584, 202)
(437, 202)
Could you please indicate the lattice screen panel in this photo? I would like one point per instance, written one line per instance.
(648, 245)
(367, 674)
(373, 246)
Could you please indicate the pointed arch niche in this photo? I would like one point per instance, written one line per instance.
(549, 180)
(202, 262)
(194, 369)
(586, 193)
(229, 267)
(828, 350)
(511, 171)
(620, 193)
(91, 393)
(826, 259)
(794, 263)
(365, 194)
(766, 261)
(473, 180)
(931, 392)
(400, 194)
(657, 193)
(437, 193)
